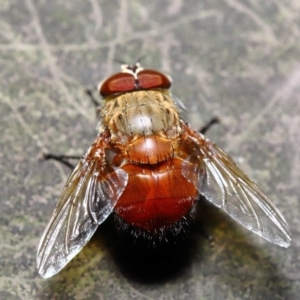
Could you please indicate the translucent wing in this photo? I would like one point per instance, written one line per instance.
(225, 185)
(88, 198)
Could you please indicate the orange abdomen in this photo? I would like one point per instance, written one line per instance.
(156, 196)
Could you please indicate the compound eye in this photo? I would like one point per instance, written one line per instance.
(118, 83)
(150, 79)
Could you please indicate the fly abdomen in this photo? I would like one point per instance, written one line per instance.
(156, 196)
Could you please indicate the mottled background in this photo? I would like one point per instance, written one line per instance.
(239, 60)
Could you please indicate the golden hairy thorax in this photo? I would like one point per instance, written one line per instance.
(144, 126)
(141, 113)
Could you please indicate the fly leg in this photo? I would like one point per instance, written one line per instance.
(64, 159)
(95, 102)
(206, 127)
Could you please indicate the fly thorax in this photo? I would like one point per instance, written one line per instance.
(141, 113)
(145, 125)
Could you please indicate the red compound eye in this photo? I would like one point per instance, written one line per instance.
(118, 83)
(150, 79)
(126, 82)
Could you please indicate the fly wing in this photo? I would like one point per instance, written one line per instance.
(88, 198)
(225, 185)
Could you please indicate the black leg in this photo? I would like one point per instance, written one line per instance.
(62, 159)
(205, 128)
(89, 92)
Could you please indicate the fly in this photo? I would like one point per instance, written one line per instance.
(149, 167)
